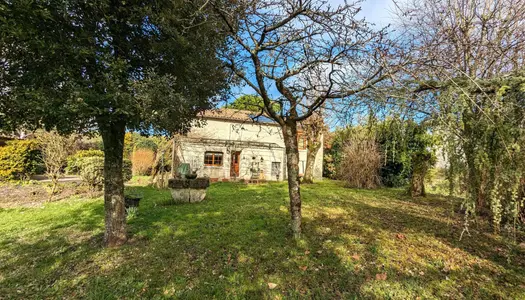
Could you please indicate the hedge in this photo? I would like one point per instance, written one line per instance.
(19, 159)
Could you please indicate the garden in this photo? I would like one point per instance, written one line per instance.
(357, 243)
(417, 125)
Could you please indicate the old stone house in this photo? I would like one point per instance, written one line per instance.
(235, 144)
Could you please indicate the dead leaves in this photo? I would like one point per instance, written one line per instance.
(356, 256)
(303, 268)
(272, 285)
(401, 236)
(381, 276)
(521, 246)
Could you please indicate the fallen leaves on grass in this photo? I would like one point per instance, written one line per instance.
(303, 268)
(381, 276)
(272, 285)
(401, 236)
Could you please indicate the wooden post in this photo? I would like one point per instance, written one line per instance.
(173, 153)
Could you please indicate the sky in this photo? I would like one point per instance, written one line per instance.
(374, 11)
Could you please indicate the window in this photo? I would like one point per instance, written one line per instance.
(301, 141)
(213, 159)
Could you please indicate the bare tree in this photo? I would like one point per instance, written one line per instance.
(297, 54)
(466, 48)
(454, 39)
(55, 151)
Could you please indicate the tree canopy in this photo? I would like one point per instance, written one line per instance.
(108, 65)
(250, 102)
(71, 64)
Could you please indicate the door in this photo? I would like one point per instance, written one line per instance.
(234, 167)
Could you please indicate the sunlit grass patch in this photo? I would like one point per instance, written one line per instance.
(237, 244)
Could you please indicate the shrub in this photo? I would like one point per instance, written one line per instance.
(421, 163)
(142, 160)
(19, 159)
(55, 149)
(329, 166)
(334, 144)
(73, 161)
(91, 170)
(398, 140)
(360, 162)
(143, 142)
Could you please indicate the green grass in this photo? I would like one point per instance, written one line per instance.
(357, 244)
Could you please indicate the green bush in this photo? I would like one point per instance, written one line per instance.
(19, 160)
(73, 161)
(398, 140)
(91, 170)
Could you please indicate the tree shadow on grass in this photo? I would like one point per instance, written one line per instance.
(232, 246)
(429, 223)
(46, 259)
(434, 215)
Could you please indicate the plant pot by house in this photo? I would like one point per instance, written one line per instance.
(191, 176)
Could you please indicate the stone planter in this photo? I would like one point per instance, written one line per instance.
(188, 190)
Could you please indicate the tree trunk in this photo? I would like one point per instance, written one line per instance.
(420, 167)
(313, 147)
(474, 187)
(417, 184)
(292, 165)
(174, 159)
(54, 185)
(115, 216)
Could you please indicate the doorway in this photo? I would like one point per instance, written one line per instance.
(235, 162)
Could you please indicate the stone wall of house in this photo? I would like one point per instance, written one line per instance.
(260, 158)
(192, 151)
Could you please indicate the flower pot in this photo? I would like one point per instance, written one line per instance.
(191, 176)
(131, 201)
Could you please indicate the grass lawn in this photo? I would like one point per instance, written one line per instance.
(237, 244)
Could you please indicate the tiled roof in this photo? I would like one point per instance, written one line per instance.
(236, 115)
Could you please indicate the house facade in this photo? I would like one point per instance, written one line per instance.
(234, 145)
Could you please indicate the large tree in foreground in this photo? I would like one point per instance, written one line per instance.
(298, 54)
(108, 65)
